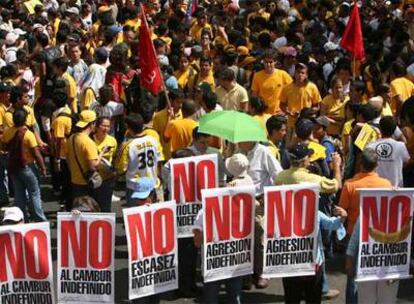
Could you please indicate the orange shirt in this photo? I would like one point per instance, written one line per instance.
(350, 195)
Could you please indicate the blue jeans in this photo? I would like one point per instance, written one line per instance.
(26, 181)
(3, 179)
(233, 289)
(351, 291)
(325, 284)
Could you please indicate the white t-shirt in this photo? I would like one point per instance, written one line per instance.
(392, 155)
(110, 110)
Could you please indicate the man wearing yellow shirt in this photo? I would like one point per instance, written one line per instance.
(179, 132)
(161, 118)
(23, 163)
(60, 66)
(401, 87)
(230, 94)
(268, 83)
(82, 155)
(61, 127)
(298, 95)
(4, 106)
(200, 26)
(205, 75)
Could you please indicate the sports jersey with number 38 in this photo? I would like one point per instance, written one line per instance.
(139, 157)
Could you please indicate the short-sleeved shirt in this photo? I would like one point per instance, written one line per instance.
(349, 199)
(138, 158)
(86, 150)
(29, 142)
(62, 126)
(297, 98)
(159, 123)
(335, 108)
(180, 133)
(232, 99)
(402, 87)
(392, 155)
(269, 87)
(3, 110)
(108, 141)
(72, 91)
(8, 117)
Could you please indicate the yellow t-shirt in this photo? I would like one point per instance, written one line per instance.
(335, 108)
(159, 123)
(269, 87)
(196, 79)
(88, 98)
(61, 127)
(196, 30)
(262, 120)
(296, 98)
(8, 117)
(72, 91)
(29, 142)
(3, 111)
(180, 133)
(108, 141)
(184, 77)
(134, 23)
(402, 87)
(86, 150)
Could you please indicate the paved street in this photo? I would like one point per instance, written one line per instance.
(273, 294)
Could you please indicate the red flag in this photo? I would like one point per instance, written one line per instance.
(352, 38)
(151, 77)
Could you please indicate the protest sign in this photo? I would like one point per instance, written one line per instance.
(384, 234)
(290, 230)
(189, 176)
(228, 234)
(85, 267)
(152, 249)
(26, 274)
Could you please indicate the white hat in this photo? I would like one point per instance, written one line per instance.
(13, 214)
(19, 32)
(72, 10)
(237, 165)
(330, 46)
(11, 38)
(37, 26)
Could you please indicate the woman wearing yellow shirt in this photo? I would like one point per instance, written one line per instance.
(333, 107)
(384, 90)
(107, 147)
(257, 109)
(184, 73)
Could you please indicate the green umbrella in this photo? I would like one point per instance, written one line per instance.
(232, 125)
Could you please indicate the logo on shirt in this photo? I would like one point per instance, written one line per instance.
(384, 150)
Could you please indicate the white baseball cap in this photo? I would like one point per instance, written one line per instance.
(237, 165)
(13, 214)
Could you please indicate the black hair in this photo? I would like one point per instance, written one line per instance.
(16, 94)
(387, 126)
(106, 92)
(60, 98)
(43, 39)
(275, 123)
(176, 94)
(188, 108)
(369, 159)
(258, 104)
(368, 112)
(61, 63)
(19, 117)
(227, 74)
(304, 128)
(398, 69)
(101, 119)
(198, 135)
(210, 100)
(359, 86)
(147, 109)
(135, 122)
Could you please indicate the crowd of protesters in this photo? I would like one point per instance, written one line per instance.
(72, 109)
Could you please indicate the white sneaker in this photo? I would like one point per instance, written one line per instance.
(115, 198)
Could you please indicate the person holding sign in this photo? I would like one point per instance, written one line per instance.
(300, 160)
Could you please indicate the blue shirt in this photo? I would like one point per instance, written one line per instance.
(353, 245)
(327, 223)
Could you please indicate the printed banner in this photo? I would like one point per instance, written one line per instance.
(189, 176)
(385, 234)
(26, 274)
(152, 249)
(228, 234)
(290, 230)
(85, 267)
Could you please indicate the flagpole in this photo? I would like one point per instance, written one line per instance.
(164, 88)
